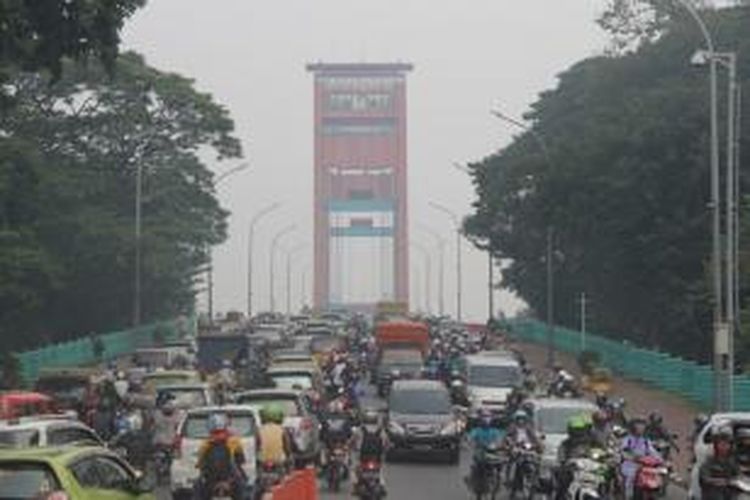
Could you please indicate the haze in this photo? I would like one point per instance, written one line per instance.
(469, 56)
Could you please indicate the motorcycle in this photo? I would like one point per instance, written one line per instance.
(271, 474)
(369, 486)
(337, 467)
(527, 463)
(651, 478)
(740, 487)
(487, 477)
(564, 387)
(591, 477)
(162, 464)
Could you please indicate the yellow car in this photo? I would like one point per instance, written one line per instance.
(70, 473)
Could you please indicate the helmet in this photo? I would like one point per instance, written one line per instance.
(520, 415)
(599, 417)
(700, 420)
(336, 406)
(217, 422)
(272, 413)
(370, 417)
(635, 422)
(485, 417)
(225, 363)
(655, 418)
(578, 426)
(168, 407)
(723, 433)
(120, 375)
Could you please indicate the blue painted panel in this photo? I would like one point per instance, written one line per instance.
(361, 232)
(360, 205)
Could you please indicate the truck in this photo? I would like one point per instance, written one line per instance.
(401, 349)
(247, 357)
(402, 334)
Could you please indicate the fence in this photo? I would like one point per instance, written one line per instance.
(83, 351)
(686, 378)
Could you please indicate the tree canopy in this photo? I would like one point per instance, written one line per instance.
(625, 192)
(69, 153)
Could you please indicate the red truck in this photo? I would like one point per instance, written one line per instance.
(404, 335)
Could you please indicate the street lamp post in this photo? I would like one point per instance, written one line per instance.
(490, 263)
(251, 232)
(441, 242)
(274, 244)
(428, 274)
(294, 250)
(459, 285)
(549, 253)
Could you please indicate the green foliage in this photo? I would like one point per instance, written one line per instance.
(626, 194)
(69, 154)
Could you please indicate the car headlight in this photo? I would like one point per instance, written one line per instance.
(396, 428)
(451, 429)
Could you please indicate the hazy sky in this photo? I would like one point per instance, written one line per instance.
(469, 56)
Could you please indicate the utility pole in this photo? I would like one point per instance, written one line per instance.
(137, 278)
(550, 301)
(272, 267)
(583, 321)
(251, 233)
(210, 293)
(490, 286)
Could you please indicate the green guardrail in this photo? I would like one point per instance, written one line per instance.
(659, 369)
(103, 347)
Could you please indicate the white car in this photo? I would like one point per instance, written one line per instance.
(703, 446)
(551, 416)
(47, 431)
(193, 431)
(490, 380)
(188, 396)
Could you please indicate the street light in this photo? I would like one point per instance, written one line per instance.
(289, 254)
(441, 242)
(457, 223)
(428, 273)
(274, 243)
(210, 270)
(490, 263)
(253, 222)
(549, 253)
(722, 337)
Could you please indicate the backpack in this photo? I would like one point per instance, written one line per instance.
(218, 463)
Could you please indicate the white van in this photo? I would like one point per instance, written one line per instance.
(490, 380)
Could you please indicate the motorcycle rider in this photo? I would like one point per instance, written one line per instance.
(577, 444)
(742, 449)
(372, 443)
(481, 437)
(220, 460)
(275, 442)
(657, 432)
(337, 428)
(634, 446)
(521, 431)
(719, 469)
(601, 430)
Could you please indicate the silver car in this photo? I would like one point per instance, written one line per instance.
(299, 418)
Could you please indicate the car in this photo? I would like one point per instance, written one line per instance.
(299, 417)
(154, 357)
(70, 388)
(550, 417)
(193, 431)
(47, 431)
(187, 396)
(703, 446)
(421, 419)
(296, 377)
(397, 364)
(163, 378)
(293, 358)
(71, 472)
(17, 404)
(489, 382)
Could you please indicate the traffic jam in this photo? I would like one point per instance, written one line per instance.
(244, 406)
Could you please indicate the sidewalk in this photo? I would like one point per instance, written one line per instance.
(640, 401)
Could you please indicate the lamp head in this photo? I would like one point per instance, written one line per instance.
(701, 58)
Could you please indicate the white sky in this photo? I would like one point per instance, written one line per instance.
(469, 56)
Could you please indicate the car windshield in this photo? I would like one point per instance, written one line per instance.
(292, 381)
(22, 481)
(187, 398)
(555, 420)
(420, 402)
(15, 438)
(288, 406)
(494, 376)
(240, 424)
(157, 381)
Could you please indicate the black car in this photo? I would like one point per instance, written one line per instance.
(397, 364)
(422, 419)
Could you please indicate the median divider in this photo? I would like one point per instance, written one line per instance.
(299, 485)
